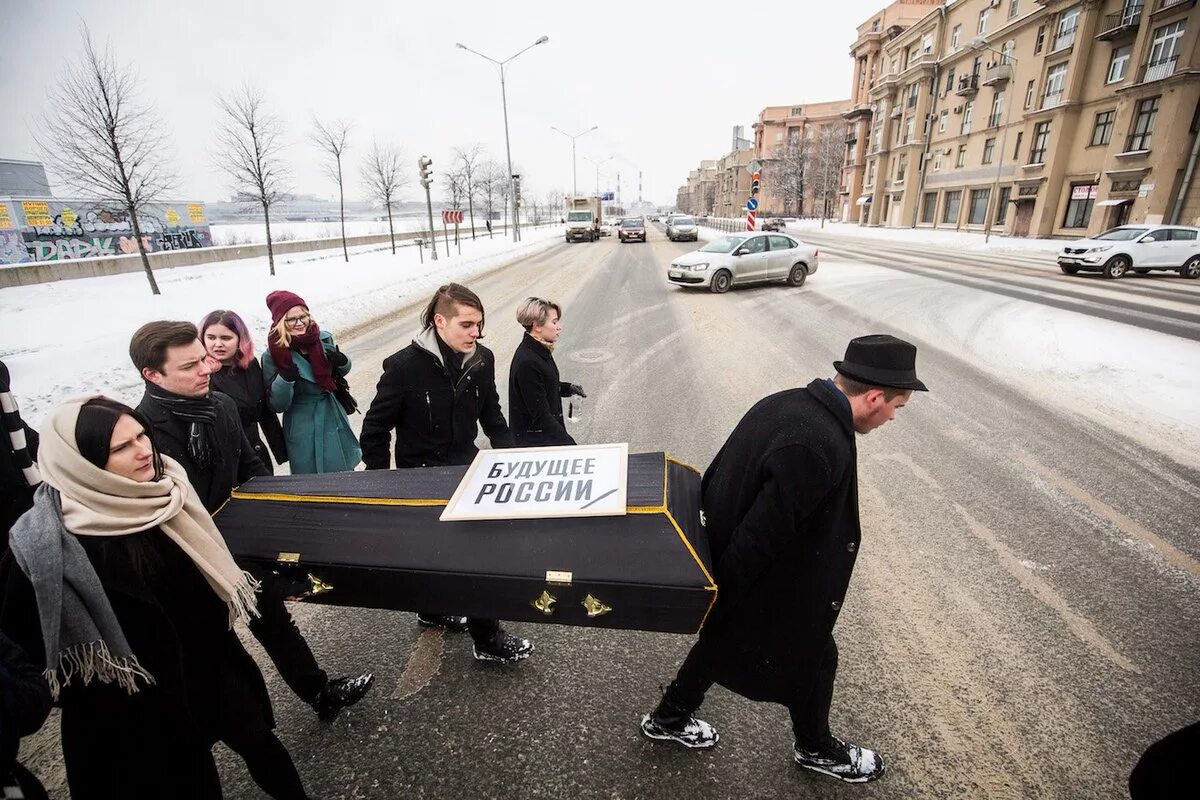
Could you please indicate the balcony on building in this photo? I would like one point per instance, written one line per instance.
(1163, 5)
(1125, 21)
(1053, 99)
(997, 74)
(1158, 70)
(897, 110)
(968, 85)
(860, 110)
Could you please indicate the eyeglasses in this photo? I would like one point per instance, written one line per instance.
(301, 320)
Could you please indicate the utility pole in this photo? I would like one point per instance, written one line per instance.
(574, 172)
(424, 162)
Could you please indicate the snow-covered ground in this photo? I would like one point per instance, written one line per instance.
(70, 337)
(254, 233)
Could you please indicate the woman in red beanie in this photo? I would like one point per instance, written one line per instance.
(300, 370)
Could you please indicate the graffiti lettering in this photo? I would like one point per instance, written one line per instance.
(187, 240)
(64, 249)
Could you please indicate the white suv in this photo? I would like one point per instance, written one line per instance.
(1140, 248)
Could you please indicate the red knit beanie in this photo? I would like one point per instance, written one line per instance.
(279, 302)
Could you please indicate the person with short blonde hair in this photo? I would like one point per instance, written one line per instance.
(535, 393)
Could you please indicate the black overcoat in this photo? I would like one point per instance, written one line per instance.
(436, 418)
(236, 465)
(535, 397)
(248, 390)
(157, 742)
(781, 507)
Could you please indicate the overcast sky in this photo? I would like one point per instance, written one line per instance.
(664, 81)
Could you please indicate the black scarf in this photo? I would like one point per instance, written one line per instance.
(200, 415)
(452, 358)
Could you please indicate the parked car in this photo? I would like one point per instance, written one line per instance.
(743, 258)
(1140, 248)
(681, 228)
(773, 224)
(632, 228)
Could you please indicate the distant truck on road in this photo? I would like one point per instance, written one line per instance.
(583, 219)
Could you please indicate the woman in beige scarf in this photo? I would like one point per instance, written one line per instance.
(119, 584)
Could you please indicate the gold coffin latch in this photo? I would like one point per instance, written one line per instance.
(594, 607)
(288, 558)
(545, 603)
(317, 586)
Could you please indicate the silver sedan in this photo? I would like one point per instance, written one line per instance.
(743, 258)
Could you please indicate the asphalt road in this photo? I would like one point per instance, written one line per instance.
(1022, 622)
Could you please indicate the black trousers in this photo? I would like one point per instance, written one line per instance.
(809, 711)
(482, 631)
(270, 765)
(276, 631)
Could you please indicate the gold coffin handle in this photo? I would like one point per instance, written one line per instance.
(594, 607)
(317, 586)
(545, 603)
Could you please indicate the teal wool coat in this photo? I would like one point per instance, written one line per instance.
(318, 434)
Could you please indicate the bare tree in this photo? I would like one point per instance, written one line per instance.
(102, 143)
(470, 167)
(250, 146)
(786, 174)
(456, 190)
(332, 142)
(487, 186)
(554, 203)
(384, 179)
(827, 154)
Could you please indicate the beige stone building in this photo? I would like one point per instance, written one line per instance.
(699, 194)
(733, 183)
(1031, 118)
(788, 133)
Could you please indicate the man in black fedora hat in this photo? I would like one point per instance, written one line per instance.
(781, 507)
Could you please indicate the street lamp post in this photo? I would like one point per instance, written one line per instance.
(574, 174)
(515, 225)
(979, 44)
(597, 165)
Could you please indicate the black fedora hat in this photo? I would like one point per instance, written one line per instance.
(881, 360)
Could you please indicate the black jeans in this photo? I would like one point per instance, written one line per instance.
(809, 711)
(271, 766)
(276, 631)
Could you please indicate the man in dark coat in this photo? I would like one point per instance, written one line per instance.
(535, 393)
(434, 394)
(18, 450)
(781, 508)
(201, 429)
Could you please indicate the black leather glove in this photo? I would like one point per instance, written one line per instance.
(576, 389)
(337, 358)
(288, 373)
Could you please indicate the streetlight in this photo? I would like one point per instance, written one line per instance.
(574, 181)
(977, 44)
(597, 165)
(516, 228)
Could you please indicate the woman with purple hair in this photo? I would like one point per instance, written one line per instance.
(229, 345)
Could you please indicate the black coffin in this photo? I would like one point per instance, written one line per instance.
(375, 537)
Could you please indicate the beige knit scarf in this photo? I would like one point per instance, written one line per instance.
(96, 502)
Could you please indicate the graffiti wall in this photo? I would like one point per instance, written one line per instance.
(60, 229)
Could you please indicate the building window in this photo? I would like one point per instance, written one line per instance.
(1041, 137)
(950, 79)
(914, 91)
(874, 25)
(1014, 8)
(1002, 206)
(1017, 147)
(1102, 131)
(943, 118)
(1064, 34)
(983, 22)
(796, 111)
(1143, 124)
(1056, 80)
(1079, 207)
(1006, 51)
(871, 173)
(901, 167)
(997, 109)
(955, 36)
(929, 208)
(1041, 40)
(1029, 95)
(927, 43)
(989, 150)
(977, 211)
(968, 113)
(950, 211)
(895, 65)
(1118, 66)
(937, 161)
(908, 129)
(1164, 51)
(961, 160)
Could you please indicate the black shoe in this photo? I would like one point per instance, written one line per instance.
(340, 693)
(842, 760)
(504, 648)
(450, 623)
(695, 733)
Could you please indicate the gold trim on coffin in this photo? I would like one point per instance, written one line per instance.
(545, 603)
(594, 607)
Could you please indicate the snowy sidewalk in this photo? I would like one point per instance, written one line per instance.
(71, 337)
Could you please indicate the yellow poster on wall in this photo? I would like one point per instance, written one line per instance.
(69, 217)
(172, 217)
(37, 213)
(195, 212)
(5, 219)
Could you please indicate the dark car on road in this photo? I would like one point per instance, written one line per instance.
(773, 224)
(632, 228)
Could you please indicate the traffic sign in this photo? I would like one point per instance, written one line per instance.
(754, 166)
(752, 204)
(452, 217)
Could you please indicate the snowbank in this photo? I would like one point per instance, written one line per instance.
(70, 337)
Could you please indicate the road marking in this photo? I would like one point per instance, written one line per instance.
(423, 664)
(1081, 626)
(1128, 526)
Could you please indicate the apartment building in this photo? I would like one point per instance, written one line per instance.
(1031, 118)
(733, 183)
(784, 138)
(699, 194)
